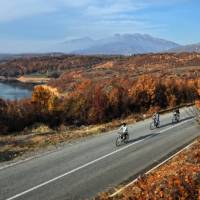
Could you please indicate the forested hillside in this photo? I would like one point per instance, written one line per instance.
(95, 90)
(44, 64)
(138, 64)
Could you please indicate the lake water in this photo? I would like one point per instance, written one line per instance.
(14, 91)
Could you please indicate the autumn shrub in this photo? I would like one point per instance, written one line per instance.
(103, 101)
(92, 102)
(197, 104)
(45, 98)
(47, 102)
(16, 115)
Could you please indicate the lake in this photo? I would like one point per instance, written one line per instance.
(14, 91)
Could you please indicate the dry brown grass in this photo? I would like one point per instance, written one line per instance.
(35, 80)
(41, 136)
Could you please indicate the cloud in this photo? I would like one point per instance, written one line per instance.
(114, 7)
(59, 19)
(11, 10)
(15, 9)
(109, 7)
(97, 18)
(75, 4)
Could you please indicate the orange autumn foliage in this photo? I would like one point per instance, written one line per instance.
(92, 89)
(45, 97)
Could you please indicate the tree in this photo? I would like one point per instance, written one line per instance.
(45, 98)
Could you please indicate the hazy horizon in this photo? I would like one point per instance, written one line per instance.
(35, 25)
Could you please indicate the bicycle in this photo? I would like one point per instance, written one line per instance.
(175, 118)
(154, 124)
(122, 138)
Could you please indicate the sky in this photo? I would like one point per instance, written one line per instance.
(29, 25)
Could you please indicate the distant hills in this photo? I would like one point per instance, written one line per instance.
(123, 44)
(127, 44)
(118, 44)
(187, 48)
(74, 45)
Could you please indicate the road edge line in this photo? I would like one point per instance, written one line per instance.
(152, 169)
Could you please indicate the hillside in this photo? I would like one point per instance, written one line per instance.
(110, 65)
(46, 64)
(127, 44)
(187, 48)
(73, 45)
(183, 65)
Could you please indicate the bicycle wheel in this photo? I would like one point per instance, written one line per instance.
(127, 138)
(175, 120)
(118, 141)
(152, 126)
(158, 124)
(178, 118)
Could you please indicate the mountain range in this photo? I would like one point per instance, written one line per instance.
(187, 48)
(124, 44)
(118, 44)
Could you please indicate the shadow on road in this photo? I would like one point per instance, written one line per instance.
(156, 134)
(140, 138)
(182, 120)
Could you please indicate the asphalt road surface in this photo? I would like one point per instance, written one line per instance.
(85, 168)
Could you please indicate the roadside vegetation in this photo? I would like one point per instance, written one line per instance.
(179, 178)
(39, 137)
(93, 103)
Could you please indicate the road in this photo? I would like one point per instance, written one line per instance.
(85, 168)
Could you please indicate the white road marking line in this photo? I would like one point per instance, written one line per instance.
(181, 123)
(74, 170)
(87, 164)
(135, 180)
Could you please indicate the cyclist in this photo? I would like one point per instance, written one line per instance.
(124, 130)
(156, 119)
(176, 114)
